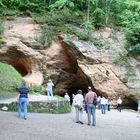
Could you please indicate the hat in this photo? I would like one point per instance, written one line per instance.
(79, 91)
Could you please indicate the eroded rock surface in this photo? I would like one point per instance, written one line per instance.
(20, 54)
(73, 64)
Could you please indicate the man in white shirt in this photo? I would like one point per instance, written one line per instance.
(78, 104)
(103, 105)
(119, 104)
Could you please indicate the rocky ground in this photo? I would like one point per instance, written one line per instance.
(112, 126)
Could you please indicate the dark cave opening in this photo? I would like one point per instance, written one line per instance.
(130, 104)
(21, 69)
(22, 65)
(73, 90)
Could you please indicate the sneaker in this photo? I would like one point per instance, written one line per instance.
(25, 118)
(81, 122)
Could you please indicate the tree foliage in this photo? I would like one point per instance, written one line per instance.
(93, 13)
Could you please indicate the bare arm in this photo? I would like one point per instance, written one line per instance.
(28, 98)
(18, 98)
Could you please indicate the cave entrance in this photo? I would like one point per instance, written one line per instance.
(73, 90)
(21, 69)
(130, 104)
(22, 65)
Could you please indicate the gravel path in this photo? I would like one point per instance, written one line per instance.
(112, 126)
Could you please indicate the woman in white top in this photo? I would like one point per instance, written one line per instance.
(78, 104)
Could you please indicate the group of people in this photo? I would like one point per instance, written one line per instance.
(90, 102)
(79, 101)
(104, 104)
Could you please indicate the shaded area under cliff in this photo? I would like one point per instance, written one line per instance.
(22, 65)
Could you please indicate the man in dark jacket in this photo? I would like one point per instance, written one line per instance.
(23, 99)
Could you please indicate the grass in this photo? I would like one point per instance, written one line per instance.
(66, 108)
(52, 109)
(10, 79)
(7, 94)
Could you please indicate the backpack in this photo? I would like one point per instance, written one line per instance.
(78, 105)
(95, 100)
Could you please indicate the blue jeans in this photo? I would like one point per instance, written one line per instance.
(119, 107)
(22, 105)
(91, 108)
(49, 94)
(103, 109)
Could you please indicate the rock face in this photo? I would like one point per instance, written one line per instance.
(110, 72)
(73, 64)
(18, 52)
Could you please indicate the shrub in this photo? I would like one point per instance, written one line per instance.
(37, 89)
(133, 34)
(129, 19)
(10, 79)
(7, 94)
(64, 107)
(134, 50)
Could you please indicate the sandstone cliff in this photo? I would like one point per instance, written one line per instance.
(72, 63)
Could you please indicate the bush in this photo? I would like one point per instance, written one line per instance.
(37, 89)
(1, 27)
(23, 5)
(53, 108)
(134, 50)
(7, 94)
(133, 34)
(129, 19)
(10, 79)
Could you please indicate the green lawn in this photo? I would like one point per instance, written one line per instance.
(7, 94)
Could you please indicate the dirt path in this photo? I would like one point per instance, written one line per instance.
(112, 126)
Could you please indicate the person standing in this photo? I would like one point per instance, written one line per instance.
(78, 104)
(103, 105)
(50, 89)
(23, 100)
(99, 102)
(67, 97)
(109, 104)
(119, 104)
(138, 108)
(91, 108)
